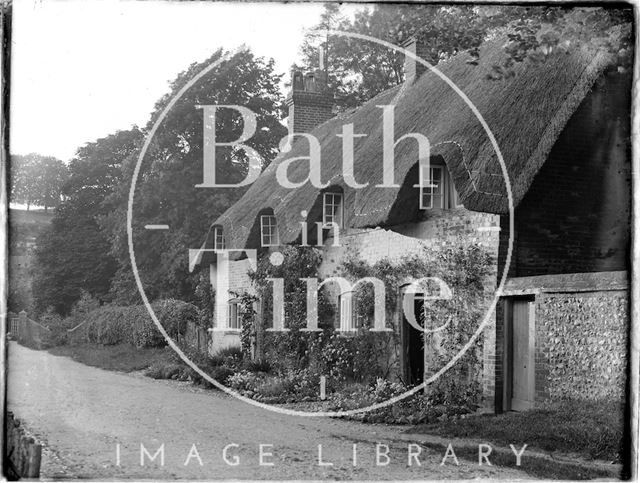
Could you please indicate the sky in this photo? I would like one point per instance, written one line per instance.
(81, 70)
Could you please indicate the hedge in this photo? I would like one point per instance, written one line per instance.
(112, 324)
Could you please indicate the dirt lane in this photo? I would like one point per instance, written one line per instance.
(83, 414)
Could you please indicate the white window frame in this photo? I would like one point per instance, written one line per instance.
(270, 239)
(329, 200)
(428, 188)
(218, 239)
(234, 316)
(448, 196)
(345, 306)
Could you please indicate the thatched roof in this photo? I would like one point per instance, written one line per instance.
(526, 113)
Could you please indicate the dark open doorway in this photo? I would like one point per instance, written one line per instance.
(413, 345)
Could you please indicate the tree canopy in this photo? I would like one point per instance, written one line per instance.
(359, 70)
(37, 180)
(73, 252)
(166, 190)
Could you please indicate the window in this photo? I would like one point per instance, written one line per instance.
(431, 188)
(332, 209)
(347, 322)
(218, 239)
(233, 320)
(268, 231)
(436, 188)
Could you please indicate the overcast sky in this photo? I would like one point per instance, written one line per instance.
(81, 70)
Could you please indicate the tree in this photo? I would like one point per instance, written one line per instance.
(37, 179)
(72, 255)
(359, 70)
(166, 192)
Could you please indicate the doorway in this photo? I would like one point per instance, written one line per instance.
(520, 353)
(413, 344)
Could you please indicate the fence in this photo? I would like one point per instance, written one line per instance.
(22, 454)
(26, 331)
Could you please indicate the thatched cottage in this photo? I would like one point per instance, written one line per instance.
(563, 127)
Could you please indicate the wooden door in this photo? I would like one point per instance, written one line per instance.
(523, 365)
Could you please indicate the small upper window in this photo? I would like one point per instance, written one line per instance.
(436, 188)
(218, 239)
(268, 231)
(332, 209)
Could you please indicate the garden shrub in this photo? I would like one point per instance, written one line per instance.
(465, 268)
(295, 385)
(289, 350)
(57, 326)
(112, 324)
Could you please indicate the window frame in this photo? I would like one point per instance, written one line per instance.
(347, 320)
(339, 213)
(218, 234)
(272, 235)
(234, 316)
(448, 196)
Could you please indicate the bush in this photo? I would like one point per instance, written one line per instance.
(222, 374)
(167, 371)
(295, 385)
(232, 352)
(261, 365)
(57, 326)
(112, 324)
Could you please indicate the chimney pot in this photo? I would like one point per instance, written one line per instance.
(309, 102)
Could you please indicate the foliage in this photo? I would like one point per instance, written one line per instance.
(57, 326)
(358, 70)
(591, 428)
(73, 253)
(166, 190)
(248, 321)
(361, 357)
(220, 366)
(119, 357)
(465, 269)
(111, 324)
(291, 386)
(289, 350)
(36, 180)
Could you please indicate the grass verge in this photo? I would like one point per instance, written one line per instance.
(537, 467)
(119, 357)
(591, 429)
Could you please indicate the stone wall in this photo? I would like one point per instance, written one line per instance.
(581, 345)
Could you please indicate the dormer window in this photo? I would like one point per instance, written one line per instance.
(332, 211)
(268, 231)
(218, 239)
(436, 187)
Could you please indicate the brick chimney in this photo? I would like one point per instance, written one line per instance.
(309, 102)
(413, 68)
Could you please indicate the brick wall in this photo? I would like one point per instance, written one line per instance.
(308, 110)
(576, 216)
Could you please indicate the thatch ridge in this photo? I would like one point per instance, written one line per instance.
(526, 113)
